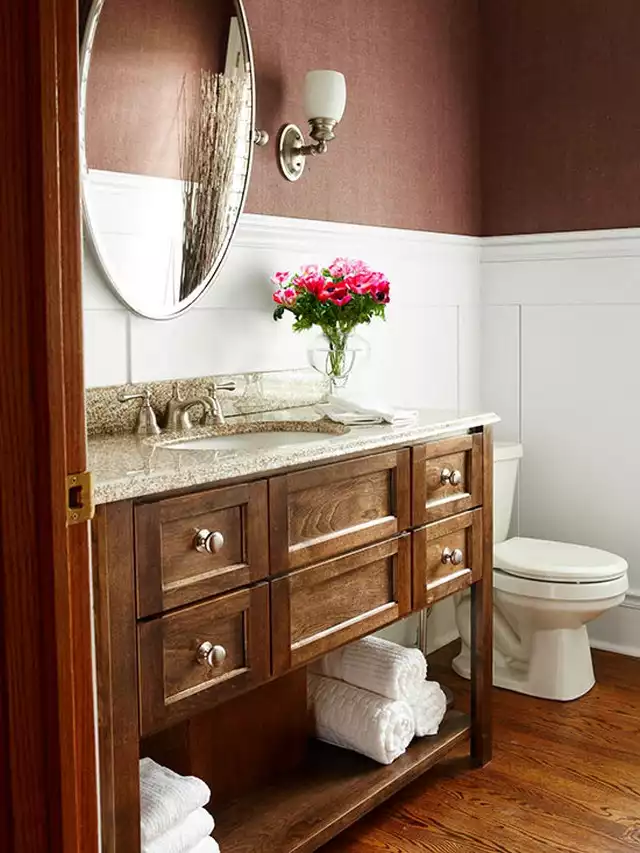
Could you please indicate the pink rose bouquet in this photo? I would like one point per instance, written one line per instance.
(336, 298)
(340, 296)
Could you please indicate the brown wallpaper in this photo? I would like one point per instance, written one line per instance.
(405, 154)
(560, 115)
(406, 150)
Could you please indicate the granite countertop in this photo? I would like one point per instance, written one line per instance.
(125, 466)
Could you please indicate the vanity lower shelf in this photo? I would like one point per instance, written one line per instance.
(331, 790)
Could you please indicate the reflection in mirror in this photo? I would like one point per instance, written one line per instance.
(167, 107)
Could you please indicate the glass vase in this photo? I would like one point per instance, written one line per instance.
(334, 353)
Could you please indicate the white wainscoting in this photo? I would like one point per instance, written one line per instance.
(426, 353)
(561, 362)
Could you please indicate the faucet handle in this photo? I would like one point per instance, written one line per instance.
(222, 386)
(147, 423)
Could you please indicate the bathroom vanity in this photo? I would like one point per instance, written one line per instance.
(220, 575)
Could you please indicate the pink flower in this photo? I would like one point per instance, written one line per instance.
(279, 278)
(339, 268)
(309, 269)
(314, 283)
(338, 294)
(286, 297)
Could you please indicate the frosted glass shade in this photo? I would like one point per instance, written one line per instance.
(325, 94)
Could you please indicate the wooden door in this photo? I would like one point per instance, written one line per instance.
(47, 740)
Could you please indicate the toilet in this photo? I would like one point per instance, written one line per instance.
(545, 593)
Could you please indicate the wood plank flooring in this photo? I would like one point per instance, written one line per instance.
(565, 777)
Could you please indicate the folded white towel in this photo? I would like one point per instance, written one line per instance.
(183, 837)
(208, 845)
(358, 416)
(166, 798)
(429, 706)
(377, 665)
(356, 719)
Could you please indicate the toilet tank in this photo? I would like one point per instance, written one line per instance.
(506, 458)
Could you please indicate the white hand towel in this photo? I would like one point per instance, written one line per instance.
(166, 798)
(429, 706)
(377, 665)
(208, 845)
(183, 837)
(356, 719)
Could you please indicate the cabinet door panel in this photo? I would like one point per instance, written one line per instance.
(324, 606)
(330, 510)
(176, 682)
(447, 557)
(172, 571)
(447, 477)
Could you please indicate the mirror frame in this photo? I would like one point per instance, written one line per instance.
(91, 21)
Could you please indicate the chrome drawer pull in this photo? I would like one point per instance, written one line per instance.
(210, 655)
(454, 478)
(453, 556)
(207, 542)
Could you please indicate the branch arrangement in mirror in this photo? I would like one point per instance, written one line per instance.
(211, 113)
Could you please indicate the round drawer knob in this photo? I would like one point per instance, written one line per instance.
(210, 655)
(208, 542)
(454, 478)
(454, 556)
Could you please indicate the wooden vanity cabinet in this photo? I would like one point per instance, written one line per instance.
(301, 563)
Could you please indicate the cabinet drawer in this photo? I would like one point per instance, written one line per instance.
(447, 477)
(174, 567)
(176, 680)
(447, 557)
(328, 511)
(321, 607)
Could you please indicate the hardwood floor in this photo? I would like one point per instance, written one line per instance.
(564, 777)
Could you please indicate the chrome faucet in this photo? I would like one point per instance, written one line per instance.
(217, 413)
(177, 418)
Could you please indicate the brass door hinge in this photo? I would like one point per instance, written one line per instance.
(80, 506)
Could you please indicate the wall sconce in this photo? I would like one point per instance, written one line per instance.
(325, 97)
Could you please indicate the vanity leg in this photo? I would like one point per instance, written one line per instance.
(482, 624)
(116, 668)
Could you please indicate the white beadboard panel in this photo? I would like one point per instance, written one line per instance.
(414, 357)
(561, 281)
(220, 340)
(469, 355)
(580, 415)
(500, 379)
(106, 351)
(406, 366)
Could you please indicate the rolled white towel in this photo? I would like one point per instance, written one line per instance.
(356, 719)
(166, 798)
(429, 706)
(183, 837)
(207, 845)
(377, 665)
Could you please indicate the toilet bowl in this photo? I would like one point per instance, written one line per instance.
(545, 593)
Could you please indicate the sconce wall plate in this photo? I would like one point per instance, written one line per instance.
(290, 156)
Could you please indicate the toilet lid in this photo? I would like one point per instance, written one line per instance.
(539, 559)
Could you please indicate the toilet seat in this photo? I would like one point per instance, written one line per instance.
(556, 591)
(540, 560)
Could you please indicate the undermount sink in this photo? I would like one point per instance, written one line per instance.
(262, 437)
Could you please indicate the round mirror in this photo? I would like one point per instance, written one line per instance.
(167, 119)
